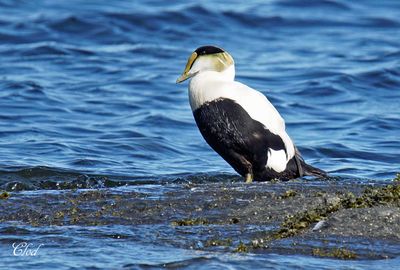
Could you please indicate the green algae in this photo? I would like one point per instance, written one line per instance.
(4, 195)
(295, 224)
(241, 248)
(190, 222)
(288, 193)
(370, 197)
(219, 242)
(338, 253)
(59, 215)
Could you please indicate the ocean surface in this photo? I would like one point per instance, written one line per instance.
(88, 100)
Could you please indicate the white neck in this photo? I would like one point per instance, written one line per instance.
(205, 86)
(227, 75)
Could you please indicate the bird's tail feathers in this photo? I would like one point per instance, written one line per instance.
(312, 171)
(305, 169)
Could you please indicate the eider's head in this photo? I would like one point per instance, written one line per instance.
(207, 58)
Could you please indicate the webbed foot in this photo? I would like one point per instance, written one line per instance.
(249, 178)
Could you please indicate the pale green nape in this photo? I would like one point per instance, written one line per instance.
(216, 62)
(221, 60)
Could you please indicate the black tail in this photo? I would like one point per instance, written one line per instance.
(305, 169)
(312, 171)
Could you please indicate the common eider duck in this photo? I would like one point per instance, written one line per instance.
(239, 122)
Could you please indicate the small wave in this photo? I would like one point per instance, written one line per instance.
(72, 24)
(163, 121)
(67, 29)
(382, 124)
(392, 56)
(320, 91)
(280, 21)
(38, 178)
(43, 50)
(193, 263)
(350, 153)
(126, 134)
(321, 4)
(79, 130)
(12, 38)
(22, 85)
(26, 91)
(50, 48)
(151, 20)
(381, 22)
(147, 21)
(387, 78)
(47, 178)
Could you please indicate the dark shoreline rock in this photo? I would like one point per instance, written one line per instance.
(356, 221)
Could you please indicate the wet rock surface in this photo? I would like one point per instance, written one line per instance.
(327, 219)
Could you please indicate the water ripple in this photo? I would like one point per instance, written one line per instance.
(90, 87)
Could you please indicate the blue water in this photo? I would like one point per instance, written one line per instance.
(88, 87)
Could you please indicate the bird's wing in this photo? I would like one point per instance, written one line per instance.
(239, 139)
(259, 108)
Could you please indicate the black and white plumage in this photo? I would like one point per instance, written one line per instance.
(238, 122)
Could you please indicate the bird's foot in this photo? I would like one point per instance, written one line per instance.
(249, 178)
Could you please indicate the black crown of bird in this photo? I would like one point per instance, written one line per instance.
(239, 122)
